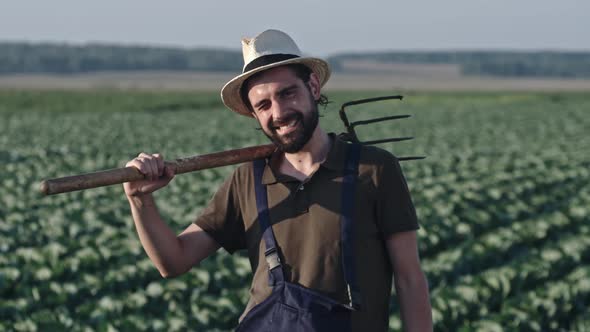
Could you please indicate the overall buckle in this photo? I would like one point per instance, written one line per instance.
(272, 258)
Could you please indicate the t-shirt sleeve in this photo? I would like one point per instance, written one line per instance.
(395, 209)
(222, 217)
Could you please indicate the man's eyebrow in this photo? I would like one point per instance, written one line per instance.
(258, 104)
(280, 92)
(287, 88)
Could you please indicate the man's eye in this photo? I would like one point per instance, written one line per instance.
(288, 93)
(263, 106)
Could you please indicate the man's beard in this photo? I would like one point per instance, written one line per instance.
(295, 140)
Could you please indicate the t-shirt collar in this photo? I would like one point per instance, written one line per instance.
(334, 161)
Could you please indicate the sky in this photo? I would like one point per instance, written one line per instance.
(319, 27)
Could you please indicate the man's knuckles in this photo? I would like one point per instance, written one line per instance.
(151, 165)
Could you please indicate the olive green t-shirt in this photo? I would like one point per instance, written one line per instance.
(306, 222)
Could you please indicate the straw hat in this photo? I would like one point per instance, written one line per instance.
(271, 48)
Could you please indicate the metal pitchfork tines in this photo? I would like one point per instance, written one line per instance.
(351, 135)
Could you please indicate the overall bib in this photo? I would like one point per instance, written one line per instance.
(292, 307)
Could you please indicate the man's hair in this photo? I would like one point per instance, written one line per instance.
(302, 71)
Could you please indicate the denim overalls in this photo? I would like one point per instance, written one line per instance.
(292, 307)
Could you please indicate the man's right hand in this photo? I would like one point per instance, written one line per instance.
(156, 173)
(173, 255)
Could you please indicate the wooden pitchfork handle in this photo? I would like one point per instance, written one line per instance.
(129, 174)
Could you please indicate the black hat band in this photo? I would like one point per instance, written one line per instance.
(267, 60)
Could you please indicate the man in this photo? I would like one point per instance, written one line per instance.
(326, 223)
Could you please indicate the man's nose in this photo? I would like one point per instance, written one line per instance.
(278, 109)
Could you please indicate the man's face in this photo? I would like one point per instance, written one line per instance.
(285, 107)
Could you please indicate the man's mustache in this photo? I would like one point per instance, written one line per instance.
(275, 124)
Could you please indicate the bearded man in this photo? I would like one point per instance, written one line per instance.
(326, 223)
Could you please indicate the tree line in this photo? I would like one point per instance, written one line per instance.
(70, 59)
(493, 63)
(20, 57)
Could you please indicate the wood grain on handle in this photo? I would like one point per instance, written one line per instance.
(129, 174)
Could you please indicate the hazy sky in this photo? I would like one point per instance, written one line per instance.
(319, 27)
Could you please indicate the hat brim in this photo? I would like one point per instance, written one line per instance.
(230, 93)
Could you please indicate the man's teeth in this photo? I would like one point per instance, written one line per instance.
(288, 125)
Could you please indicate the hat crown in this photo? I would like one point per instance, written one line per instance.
(267, 43)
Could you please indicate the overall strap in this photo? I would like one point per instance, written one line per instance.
(347, 225)
(275, 273)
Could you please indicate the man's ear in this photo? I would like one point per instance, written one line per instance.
(314, 85)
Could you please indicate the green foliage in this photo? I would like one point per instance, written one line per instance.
(502, 199)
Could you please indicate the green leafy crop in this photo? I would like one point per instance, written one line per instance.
(503, 201)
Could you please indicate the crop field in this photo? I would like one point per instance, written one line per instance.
(503, 199)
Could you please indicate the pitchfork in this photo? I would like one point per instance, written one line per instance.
(224, 158)
(350, 134)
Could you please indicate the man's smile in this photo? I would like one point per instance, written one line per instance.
(286, 127)
(287, 124)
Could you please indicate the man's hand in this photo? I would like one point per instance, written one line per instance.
(157, 174)
(173, 255)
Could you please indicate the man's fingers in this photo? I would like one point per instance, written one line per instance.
(151, 165)
(153, 169)
(142, 165)
(160, 163)
(139, 165)
(169, 172)
(155, 172)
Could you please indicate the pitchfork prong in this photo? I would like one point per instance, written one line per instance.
(386, 140)
(385, 118)
(352, 137)
(411, 158)
(369, 100)
(350, 134)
